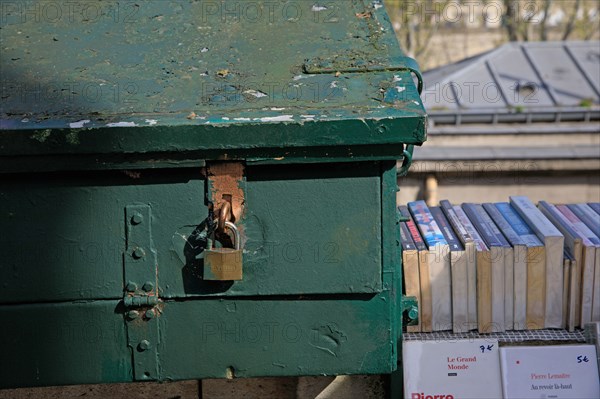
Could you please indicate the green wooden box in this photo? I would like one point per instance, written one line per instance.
(122, 122)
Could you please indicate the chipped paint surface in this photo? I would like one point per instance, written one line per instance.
(317, 8)
(256, 93)
(79, 124)
(279, 118)
(121, 124)
(177, 67)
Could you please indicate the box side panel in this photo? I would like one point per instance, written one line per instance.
(63, 343)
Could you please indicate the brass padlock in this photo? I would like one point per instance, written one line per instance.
(224, 263)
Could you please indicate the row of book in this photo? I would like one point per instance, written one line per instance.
(502, 266)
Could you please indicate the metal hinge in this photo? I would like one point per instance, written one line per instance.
(343, 63)
(136, 301)
(140, 300)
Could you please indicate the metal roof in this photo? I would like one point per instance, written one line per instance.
(518, 82)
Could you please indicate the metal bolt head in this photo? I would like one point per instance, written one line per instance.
(148, 286)
(150, 313)
(382, 129)
(413, 312)
(137, 218)
(138, 253)
(133, 314)
(131, 286)
(144, 345)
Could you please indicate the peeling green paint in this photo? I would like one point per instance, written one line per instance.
(152, 83)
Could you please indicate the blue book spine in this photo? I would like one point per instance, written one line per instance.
(503, 225)
(518, 224)
(595, 206)
(431, 232)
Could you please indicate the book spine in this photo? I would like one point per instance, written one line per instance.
(574, 307)
(541, 225)
(464, 220)
(568, 255)
(587, 215)
(554, 271)
(509, 262)
(595, 206)
(519, 225)
(464, 275)
(503, 224)
(444, 225)
(485, 217)
(427, 226)
(589, 238)
(489, 223)
(405, 239)
(482, 227)
(412, 228)
(495, 277)
(560, 218)
(459, 229)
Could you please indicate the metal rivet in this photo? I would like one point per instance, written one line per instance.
(138, 253)
(148, 286)
(131, 286)
(133, 314)
(150, 313)
(144, 345)
(137, 218)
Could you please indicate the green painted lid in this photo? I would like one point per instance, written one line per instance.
(223, 79)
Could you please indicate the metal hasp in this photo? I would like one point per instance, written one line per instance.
(225, 199)
(135, 140)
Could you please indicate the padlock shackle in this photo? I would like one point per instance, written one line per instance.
(236, 235)
(224, 215)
